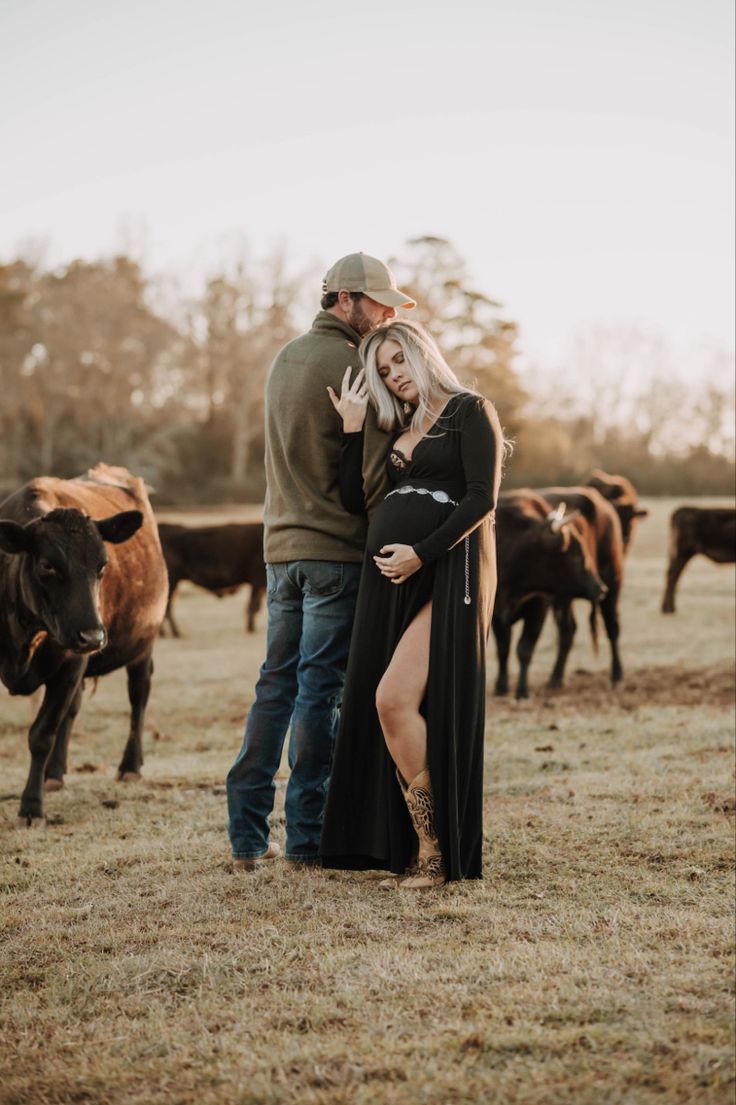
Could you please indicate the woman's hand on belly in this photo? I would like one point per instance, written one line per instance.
(397, 562)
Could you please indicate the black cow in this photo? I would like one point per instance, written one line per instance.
(605, 529)
(542, 553)
(694, 529)
(623, 497)
(219, 558)
(82, 593)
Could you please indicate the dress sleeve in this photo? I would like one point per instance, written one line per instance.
(351, 473)
(375, 447)
(480, 453)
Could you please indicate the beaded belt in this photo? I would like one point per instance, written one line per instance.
(439, 497)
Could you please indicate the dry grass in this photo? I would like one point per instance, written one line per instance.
(593, 964)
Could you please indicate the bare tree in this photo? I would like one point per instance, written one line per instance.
(479, 341)
(242, 321)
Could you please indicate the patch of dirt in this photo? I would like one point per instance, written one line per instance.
(720, 803)
(591, 692)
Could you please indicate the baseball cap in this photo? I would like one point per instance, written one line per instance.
(360, 273)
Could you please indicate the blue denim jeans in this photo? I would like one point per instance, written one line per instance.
(310, 615)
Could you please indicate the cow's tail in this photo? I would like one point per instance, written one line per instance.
(594, 626)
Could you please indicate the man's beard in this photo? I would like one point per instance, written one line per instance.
(359, 320)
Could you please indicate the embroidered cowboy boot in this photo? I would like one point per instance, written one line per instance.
(391, 882)
(430, 867)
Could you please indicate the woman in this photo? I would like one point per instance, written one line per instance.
(407, 781)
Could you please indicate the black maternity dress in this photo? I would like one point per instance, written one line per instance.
(366, 822)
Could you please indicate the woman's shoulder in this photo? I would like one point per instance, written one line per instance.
(473, 412)
(466, 402)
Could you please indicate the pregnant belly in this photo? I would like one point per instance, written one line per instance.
(404, 520)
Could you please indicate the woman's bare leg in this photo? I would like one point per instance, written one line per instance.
(399, 696)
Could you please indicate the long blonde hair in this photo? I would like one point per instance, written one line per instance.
(435, 380)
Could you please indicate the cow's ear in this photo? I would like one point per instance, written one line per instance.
(120, 527)
(15, 538)
(641, 512)
(559, 517)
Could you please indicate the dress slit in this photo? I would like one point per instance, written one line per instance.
(406, 629)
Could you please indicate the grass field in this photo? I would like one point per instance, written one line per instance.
(593, 964)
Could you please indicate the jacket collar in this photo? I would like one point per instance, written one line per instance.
(327, 323)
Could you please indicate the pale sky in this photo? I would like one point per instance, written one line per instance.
(578, 153)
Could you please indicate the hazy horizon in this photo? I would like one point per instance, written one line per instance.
(580, 159)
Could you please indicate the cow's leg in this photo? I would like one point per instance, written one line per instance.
(56, 765)
(674, 571)
(609, 613)
(502, 634)
(254, 605)
(535, 611)
(566, 626)
(169, 615)
(139, 688)
(60, 692)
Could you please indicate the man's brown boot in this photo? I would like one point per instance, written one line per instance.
(252, 863)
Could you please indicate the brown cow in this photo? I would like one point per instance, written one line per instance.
(609, 552)
(543, 554)
(695, 529)
(622, 495)
(219, 558)
(78, 597)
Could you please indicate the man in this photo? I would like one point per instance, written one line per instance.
(313, 551)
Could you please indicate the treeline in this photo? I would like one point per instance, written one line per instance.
(96, 364)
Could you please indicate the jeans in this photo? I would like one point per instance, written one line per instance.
(310, 614)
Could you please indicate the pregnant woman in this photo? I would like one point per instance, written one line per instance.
(407, 779)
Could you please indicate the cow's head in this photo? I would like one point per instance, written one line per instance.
(64, 558)
(542, 555)
(628, 514)
(621, 493)
(567, 559)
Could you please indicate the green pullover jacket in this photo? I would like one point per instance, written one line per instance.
(303, 516)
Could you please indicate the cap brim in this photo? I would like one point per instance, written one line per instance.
(388, 297)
